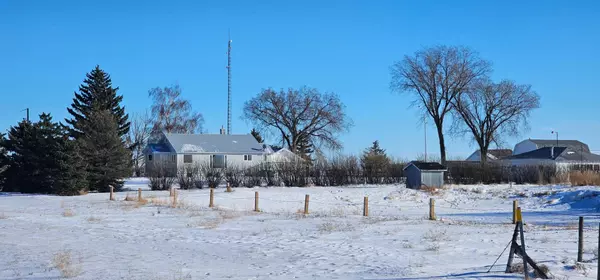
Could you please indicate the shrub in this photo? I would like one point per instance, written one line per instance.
(65, 264)
(188, 176)
(234, 176)
(213, 176)
(584, 178)
(161, 177)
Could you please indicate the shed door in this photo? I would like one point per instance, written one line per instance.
(432, 179)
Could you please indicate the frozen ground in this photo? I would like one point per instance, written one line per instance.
(129, 240)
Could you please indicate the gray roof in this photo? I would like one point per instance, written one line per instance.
(559, 153)
(214, 143)
(429, 166)
(575, 144)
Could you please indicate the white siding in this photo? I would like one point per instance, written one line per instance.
(232, 160)
(524, 146)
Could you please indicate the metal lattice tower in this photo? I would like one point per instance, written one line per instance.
(229, 86)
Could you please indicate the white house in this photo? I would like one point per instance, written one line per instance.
(534, 144)
(492, 155)
(282, 155)
(172, 151)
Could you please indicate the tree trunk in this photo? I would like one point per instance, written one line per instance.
(442, 144)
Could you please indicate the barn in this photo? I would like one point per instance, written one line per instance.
(429, 174)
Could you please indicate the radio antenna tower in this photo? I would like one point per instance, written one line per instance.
(229, 84)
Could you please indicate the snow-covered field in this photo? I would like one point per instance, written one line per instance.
(130, 240)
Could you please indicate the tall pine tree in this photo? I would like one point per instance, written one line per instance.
(3, 161)
(107, 159)
(305, 148)
(96, 94)
(99, 124)
(256, 135)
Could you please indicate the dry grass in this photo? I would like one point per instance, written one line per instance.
(436, 235)
(93, 219)
(3, 216)
(83, 192)
(431, 190)
(65, 264)
(68, 213)
(329, 227)
(130, 197)
(544, 268)
(585, 178)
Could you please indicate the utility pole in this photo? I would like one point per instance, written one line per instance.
(26, 109)
(425, 130)
(555, 132)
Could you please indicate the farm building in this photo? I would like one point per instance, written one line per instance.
(170, 151)
(429, 174)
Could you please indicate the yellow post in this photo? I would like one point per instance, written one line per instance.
(212, 198)
(519, 215)
(515, 206)
(366, 206)
(432, 209)
(112, 193)
(139, 194)
(306, 199)
(174, 198)
(256, 202)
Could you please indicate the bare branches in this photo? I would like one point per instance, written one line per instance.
(171, 113)
(297, 116)
(489, 110)
(436, 76)
(137, 138)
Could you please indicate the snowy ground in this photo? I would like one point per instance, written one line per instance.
(129, 240)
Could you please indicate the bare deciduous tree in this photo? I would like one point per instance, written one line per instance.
(436, 76)
(489, 111)
(171, 113)
(137, 138)
(297, 115)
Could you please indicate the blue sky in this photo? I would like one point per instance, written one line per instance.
(46, 47)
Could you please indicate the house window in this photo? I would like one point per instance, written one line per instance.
(248, 157)
(150, 157)
(173, 158)
(219, 161)
(187, 159)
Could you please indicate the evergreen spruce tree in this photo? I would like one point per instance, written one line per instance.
(374, 163)
(96, 94)
(3, 161)
(107, 159)
(40, 160)
(256, 135)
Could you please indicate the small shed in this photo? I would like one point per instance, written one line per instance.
(429, 174)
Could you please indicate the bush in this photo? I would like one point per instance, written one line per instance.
(213, 176)
(234, 176)
(160, 178)
(188, 177)
(584, 178)
(464, 172)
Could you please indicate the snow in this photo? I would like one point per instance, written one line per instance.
(126, 240)
(191, 148)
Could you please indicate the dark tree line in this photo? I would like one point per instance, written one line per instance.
(87, 154)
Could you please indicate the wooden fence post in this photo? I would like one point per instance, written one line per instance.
(112, 193)
(212, 198)
(306, 198)
(174, 198)
(432, 209)
(228, 188)
(139, 194)
(515, 205)
(580, 241)
(171, 191)
(256, 202)
(366, 207)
